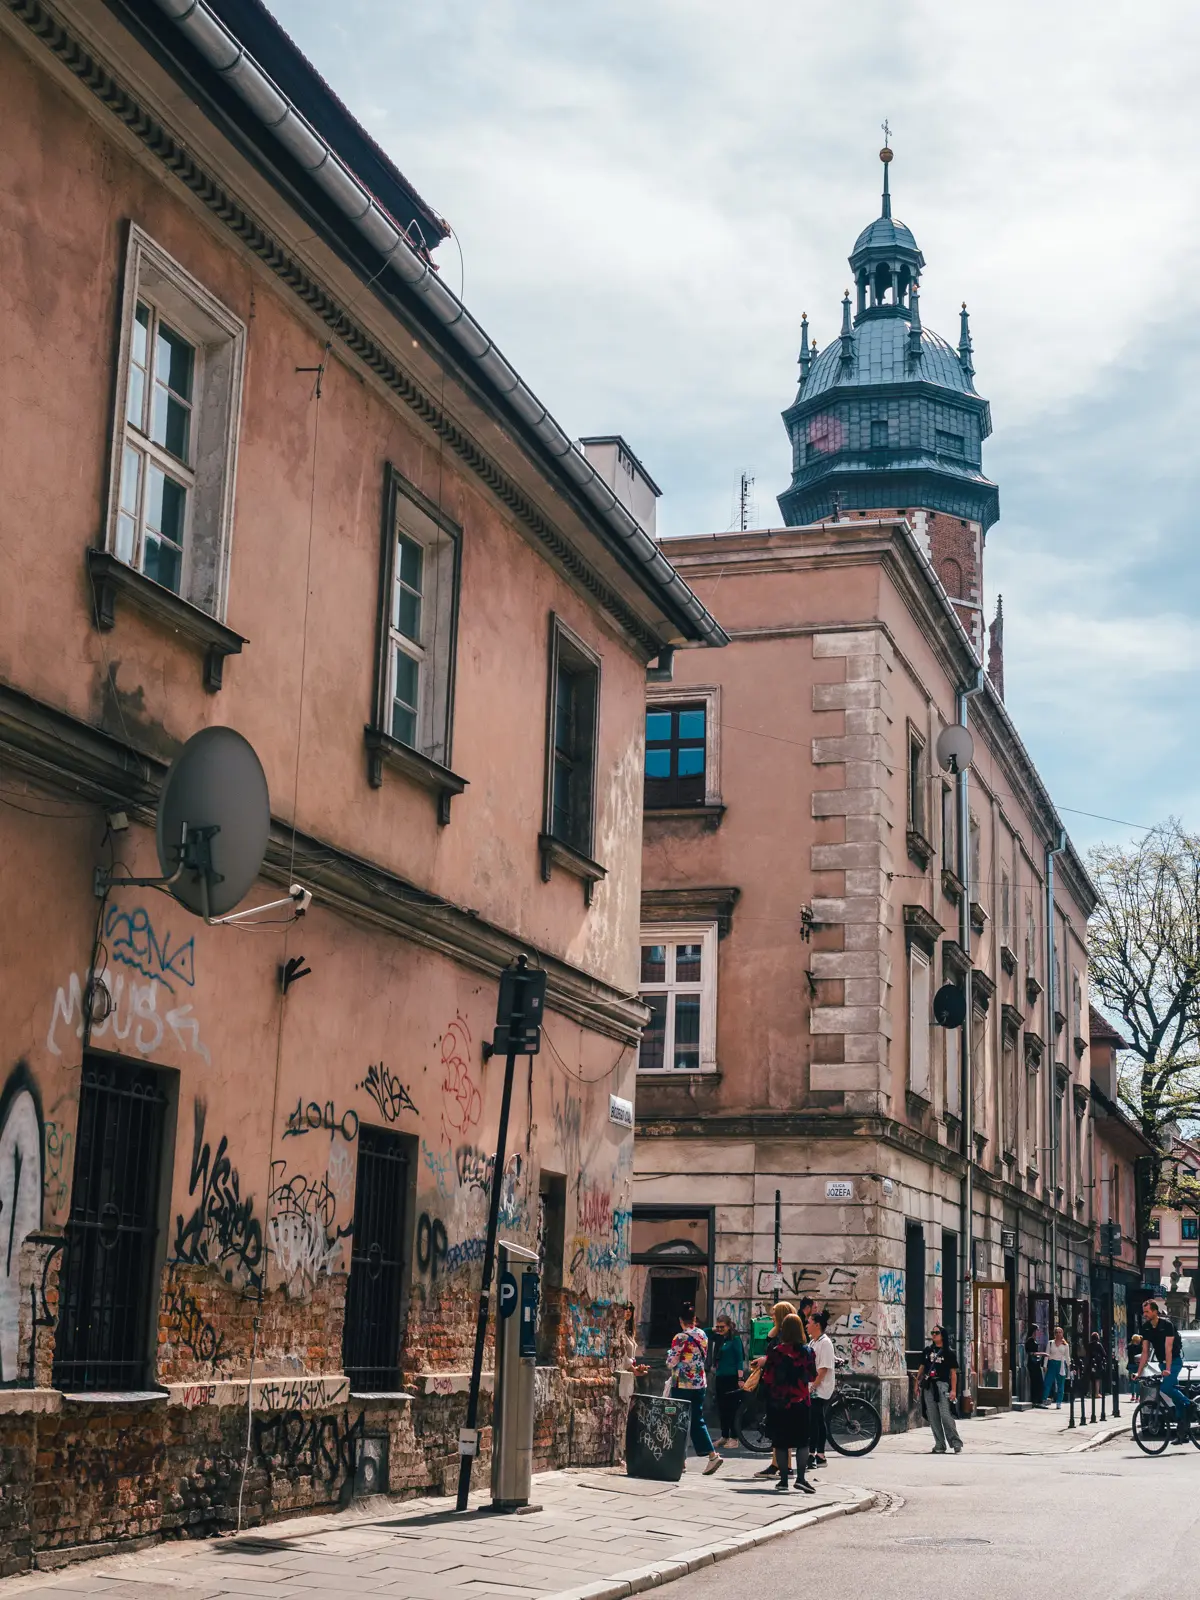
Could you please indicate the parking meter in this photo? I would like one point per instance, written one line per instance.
(516, 1369)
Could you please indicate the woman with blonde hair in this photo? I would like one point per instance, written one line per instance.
(779, 1315)
(787, 1378)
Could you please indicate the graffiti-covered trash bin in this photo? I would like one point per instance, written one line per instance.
(656, 1437)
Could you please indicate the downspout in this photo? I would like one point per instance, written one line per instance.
(237, 68)
(967, 1092)
(1052, 1076)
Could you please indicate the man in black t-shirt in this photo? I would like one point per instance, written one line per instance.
(1158, 1334)
(939, 1386)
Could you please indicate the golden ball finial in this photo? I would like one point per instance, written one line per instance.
(885, 155)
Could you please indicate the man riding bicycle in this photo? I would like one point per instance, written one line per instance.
(1158, 1334)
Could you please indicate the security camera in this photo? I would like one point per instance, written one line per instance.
(302, 898)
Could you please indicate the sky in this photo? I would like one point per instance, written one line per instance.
(648, 195)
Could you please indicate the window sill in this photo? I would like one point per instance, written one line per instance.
(555, 853)
(979, 917)
(110, 577)
(919, 848)
(383, 750)
(1032, 989)
(1008, 960)
(114, 1397)
(709, 815)
(677, 1074)
(952, 885)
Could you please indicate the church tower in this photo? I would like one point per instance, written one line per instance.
(887, 418)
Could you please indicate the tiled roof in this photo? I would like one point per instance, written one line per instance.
(1101, 1031)
(881, 356)
(885, 233)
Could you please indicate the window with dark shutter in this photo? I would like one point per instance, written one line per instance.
(106, 1281)
(371, 1336)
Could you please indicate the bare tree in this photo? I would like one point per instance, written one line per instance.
(1144, 961)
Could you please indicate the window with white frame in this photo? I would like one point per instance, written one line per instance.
(419, 624)
(175, 439)
(919, 1021)
(678, 982)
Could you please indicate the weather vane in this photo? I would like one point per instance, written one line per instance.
(887, 132)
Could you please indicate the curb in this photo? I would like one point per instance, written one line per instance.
(1105, 1436)
(638, 1579)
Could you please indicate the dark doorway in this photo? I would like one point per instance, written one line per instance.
(109, 1255)
(914, 1286)
(552, 1208)
(950, 1286)
(371, 1337)
(668, 1296)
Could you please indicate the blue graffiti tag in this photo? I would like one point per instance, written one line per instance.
(135, 944)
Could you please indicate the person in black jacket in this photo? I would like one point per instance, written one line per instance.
(939, 1390)
(1033, 1366)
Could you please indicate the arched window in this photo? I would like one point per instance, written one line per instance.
(883, 282)
(951, 574)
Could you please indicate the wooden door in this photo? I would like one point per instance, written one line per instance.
(993, 1357)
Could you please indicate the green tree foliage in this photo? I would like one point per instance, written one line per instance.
(1144, 961)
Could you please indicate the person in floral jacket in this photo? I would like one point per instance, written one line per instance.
(688, 1360)
(787, 1376)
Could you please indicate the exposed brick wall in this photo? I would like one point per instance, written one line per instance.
(206, 1328)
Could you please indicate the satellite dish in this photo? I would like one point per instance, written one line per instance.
(949, 1006)
(214, 818)
(955, 748)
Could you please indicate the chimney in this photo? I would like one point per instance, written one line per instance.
(995, 664)
(625, 475)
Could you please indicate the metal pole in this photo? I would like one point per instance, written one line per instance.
(489, 1254)
(1116, 1365)
(968, 1079)
(1052, 1075)
(778, 1242)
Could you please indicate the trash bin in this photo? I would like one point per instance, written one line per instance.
(656, 1437)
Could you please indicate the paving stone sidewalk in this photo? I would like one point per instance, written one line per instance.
(598, 1533)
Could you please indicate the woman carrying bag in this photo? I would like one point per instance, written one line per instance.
(779, 1312)
(787, 1376)
(1058, 1363)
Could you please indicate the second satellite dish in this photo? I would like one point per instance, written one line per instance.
(955, 748)
(214, 819)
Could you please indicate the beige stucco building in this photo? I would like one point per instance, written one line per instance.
(800, 908)
(263, 470)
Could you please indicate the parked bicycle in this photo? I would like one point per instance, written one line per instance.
(1155, 1420)
(852, 1424)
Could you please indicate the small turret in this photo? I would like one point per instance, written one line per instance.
(914, 324)
(965, 354)
(806, 355)
(847, 356)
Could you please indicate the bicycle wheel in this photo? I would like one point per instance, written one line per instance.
(853, 1425)
(1151, 1427)
(752, 1427)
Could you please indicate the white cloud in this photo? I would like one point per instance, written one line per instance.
(648, 196)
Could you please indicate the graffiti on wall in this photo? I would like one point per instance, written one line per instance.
(187, 1325)
(58, 1144)
(303, 1234)
(134, 942)
(304, 1445)
(134, 1022)
(314, 1118)
(836, 1283)
(388, 1093)
(462, 1101)
(222, 1230)
(20, 1200)
(432, 1244)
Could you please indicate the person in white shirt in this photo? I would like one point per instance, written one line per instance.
(822, 1390)
(1058, 1364)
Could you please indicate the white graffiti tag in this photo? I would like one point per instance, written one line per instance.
(134, 1019)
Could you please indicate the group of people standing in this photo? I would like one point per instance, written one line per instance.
(797, 1378)
(1050, 1371)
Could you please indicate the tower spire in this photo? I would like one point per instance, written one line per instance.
(885, 155)
(847, 332)
(965, 353)
(806, 354)
(914, 321)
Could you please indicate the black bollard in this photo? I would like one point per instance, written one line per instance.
(1092, 1387)
(1101, 1380)
(1071, 1396)
(1116, 1372)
